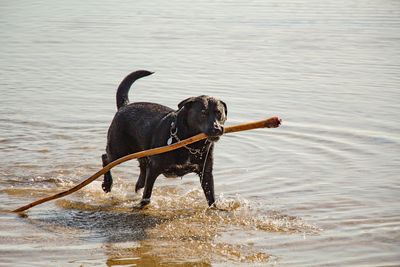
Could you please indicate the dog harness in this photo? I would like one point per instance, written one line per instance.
(174, 135)
(173, 131)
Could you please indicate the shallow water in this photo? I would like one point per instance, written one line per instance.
(323, 189)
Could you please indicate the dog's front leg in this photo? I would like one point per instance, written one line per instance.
(151, 176)
(142, 177)
(207, 181)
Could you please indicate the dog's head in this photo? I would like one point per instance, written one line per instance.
(205, 114)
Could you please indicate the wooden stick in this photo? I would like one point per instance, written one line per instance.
(268, 123)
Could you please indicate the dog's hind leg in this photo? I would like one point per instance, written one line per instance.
(108, 181)
(142, 176)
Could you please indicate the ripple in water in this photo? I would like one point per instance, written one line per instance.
(175, 221)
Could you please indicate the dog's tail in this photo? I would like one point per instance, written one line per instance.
(125, 85)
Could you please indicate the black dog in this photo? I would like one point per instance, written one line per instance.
(140, 126)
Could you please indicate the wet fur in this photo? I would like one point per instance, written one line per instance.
(140, 126)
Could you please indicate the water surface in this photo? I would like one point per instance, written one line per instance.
(321, 190)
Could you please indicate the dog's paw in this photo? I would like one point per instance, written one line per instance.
(212, 207)
(273, 122)
(142, 204)
(138, 186)
(106, 187)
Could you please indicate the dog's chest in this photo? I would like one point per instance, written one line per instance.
(181, 168)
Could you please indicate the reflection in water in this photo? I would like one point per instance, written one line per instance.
(177, 228)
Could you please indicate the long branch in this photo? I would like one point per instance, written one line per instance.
(268, 123)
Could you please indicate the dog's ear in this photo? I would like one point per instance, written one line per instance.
(186, 102)
(225, 107)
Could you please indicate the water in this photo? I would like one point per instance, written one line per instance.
(323, 189)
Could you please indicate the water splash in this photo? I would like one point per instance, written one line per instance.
(177, 227)
(189, 231)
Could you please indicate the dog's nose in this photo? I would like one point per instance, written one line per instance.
(218, 129)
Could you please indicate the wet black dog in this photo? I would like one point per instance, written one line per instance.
(140, 126)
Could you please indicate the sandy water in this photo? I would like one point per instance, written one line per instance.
(322, 190)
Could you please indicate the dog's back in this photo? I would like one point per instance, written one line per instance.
(131, 127)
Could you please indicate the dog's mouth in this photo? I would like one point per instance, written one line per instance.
(215, 132)
(213, 138)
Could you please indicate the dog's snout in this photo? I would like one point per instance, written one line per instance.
(217, 129)
(221, 128)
